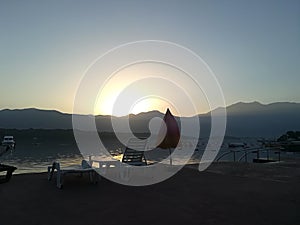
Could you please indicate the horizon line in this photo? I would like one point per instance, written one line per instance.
(154, 110)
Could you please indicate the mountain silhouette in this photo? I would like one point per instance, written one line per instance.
(243, 119)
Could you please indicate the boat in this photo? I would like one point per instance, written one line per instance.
(237, 145)
(8, 141)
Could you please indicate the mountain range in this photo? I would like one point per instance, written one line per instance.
(243, 119)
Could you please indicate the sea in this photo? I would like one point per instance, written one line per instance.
(36, 154)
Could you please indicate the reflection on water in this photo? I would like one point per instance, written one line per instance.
(32, 158)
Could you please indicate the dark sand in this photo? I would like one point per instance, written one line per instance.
(226, 193)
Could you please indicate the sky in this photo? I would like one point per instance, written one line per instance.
(253, 47)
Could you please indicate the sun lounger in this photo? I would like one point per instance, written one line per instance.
(77, 169)
(134, 152)
(9, 170)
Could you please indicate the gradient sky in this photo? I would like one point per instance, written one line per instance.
(253, 47)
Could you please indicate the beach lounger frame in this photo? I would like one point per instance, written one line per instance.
(60, 173)
(134, 152)
(9, 171)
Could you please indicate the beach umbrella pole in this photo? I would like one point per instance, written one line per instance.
(170, 156)
(171, 134)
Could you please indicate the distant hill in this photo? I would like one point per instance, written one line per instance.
(256, 119)
(34, 118)
(243, 119)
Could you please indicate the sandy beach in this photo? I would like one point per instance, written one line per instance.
(226, 193)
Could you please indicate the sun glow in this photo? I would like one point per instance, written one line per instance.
(134, 99)
(151, 103)
(146, 87)
(142, 106)
(145, 104)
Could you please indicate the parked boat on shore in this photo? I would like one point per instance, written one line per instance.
(8, 142)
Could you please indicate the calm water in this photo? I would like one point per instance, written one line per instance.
(31, 157)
